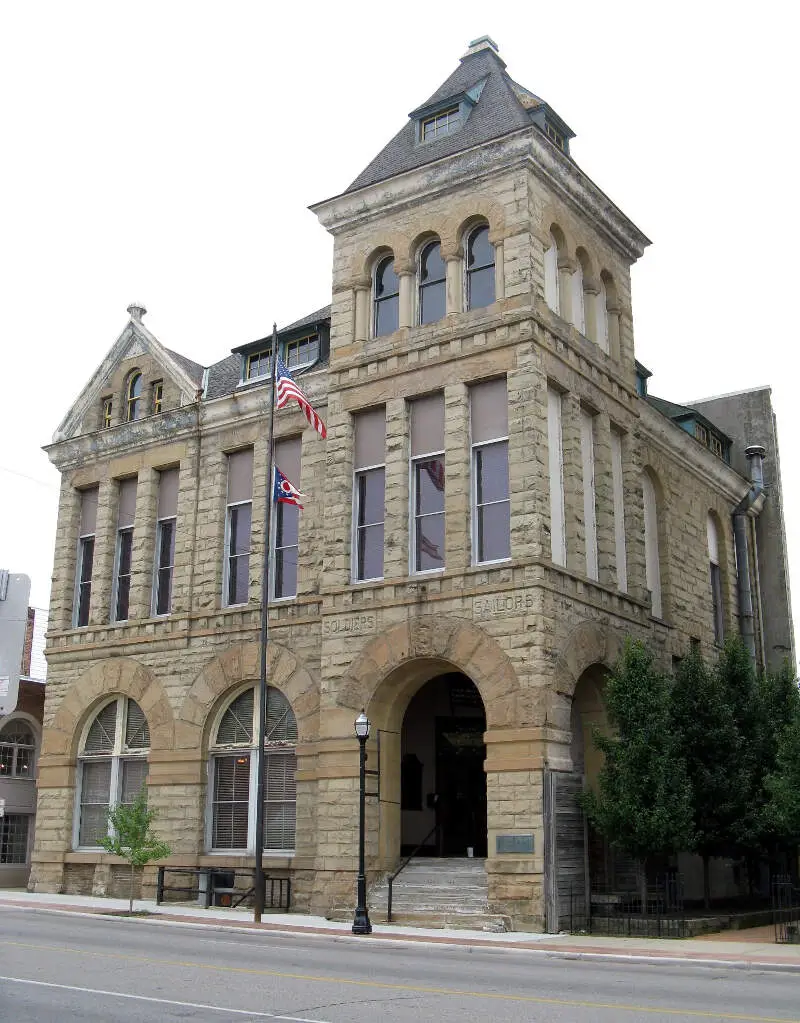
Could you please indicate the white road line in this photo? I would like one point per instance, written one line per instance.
(162, 1001)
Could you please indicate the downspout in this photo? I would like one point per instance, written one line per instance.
(750, 505)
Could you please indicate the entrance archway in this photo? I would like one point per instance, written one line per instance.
(443, 782)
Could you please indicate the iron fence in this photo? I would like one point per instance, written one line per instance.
(217, 886)
(785, 910)
(655, 912)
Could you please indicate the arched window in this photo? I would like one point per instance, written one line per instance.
(386, 298)
(113, 766)
(601, 315)
(578, 308)
(652, 559)
(551, 295)
(480, 269)
(133, 398)
(431, 283)
(717, 606)
(233, 779)
(17, 749)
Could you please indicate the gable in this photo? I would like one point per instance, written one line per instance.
(165, 381)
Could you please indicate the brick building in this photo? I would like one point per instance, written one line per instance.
(498, 504)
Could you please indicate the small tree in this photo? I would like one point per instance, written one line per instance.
(131, 836)
(782, 811)
(707, 741)
(643, 803)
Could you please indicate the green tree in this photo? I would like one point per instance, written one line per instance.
(782, 783)
(707, 738)
(131, 836)
(643, 803)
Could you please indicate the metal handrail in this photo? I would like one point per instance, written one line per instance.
(403, 866)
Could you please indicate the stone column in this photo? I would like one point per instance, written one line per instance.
(144, 537)
(406, 277)
(312, 518)
(573, 483)
(604, 501)
(185, 529)
(566, 268)
(528, 456)
(499, 271)
(62, 594)
(258, 541)
(455, 284)
(105, 546)
(591, 289)
(634, 516)
(396, 514)
(458, 543)
(361, 291)
(210, 532)
(614, 311)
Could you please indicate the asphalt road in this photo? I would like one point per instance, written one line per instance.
(57, 967)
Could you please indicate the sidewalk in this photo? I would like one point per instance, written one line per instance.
(733, 949)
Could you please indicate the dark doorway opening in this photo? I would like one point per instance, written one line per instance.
(443, 781)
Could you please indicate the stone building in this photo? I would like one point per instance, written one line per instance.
(498, 504)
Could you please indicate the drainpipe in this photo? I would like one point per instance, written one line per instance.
(750, 505)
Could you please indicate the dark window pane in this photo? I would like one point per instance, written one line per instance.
(480, 251)
(125, 551)
(431, 264)
(85, 584)
(287, 525)
(87, 557)
(432, 302)
(371, 497)
(239, 579)
(492, 467)
(240, 529)
(430, 542)
(123, 598)
(386, 280)
(164, 591)
(430, 486)
(387, 316)
(494, 532)
(370, 552)
(480, 285)
(286, 572)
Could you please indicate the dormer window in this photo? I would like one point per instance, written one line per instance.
(257, 364)
(157, 397)
(443, 123)
(302, 352)
(555, 136)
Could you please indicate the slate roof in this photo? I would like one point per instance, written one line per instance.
(670, 409)
(500, 110)
(194, 369)
(321, 314)
(223, 377)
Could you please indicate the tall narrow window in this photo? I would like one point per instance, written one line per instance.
(652, 559)
(133, 397)
(619, 511)
(368, 494)
(555, 457)
(83, 574)
(113, 766)
(717, 605)
(589, 506)
(578, 308)
(108, 406)
(479, 261)
(491, 505)
(427, 483)
(165, 540)
(551, 275)
(233, 776)
(157, 397)
(287, 521)
(431, 278)
(238, 523)
(386, 298)
(124, 551)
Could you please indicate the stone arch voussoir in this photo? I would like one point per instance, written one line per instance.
(587, 644)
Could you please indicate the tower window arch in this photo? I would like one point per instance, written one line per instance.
(112, 766)
(652, 556)
(715, 574)
(601, 314)
(385, 297)
(431, 283)
(133, 397)
(479, 260)
(233, 781)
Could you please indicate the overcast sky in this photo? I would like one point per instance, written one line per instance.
(166, 153)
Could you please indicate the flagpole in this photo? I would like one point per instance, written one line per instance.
(259, 893)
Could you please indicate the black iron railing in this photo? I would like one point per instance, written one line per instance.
(434, 831)
(220, 886)
(656, 911)
(785, 897)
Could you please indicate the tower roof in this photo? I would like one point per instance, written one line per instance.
(491, 105)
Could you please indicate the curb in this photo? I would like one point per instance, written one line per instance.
(538, 950)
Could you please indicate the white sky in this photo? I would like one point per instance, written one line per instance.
(166, 153)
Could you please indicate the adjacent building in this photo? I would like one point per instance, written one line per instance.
(499, 503)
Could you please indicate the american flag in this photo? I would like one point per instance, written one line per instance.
(285, 491)
(287, 390)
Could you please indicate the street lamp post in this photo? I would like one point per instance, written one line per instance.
(361, 924)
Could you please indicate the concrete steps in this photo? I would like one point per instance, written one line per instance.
(438, 892)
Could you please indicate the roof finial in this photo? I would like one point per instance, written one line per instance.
(136, 311)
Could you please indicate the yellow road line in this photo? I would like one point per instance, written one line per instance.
(408, 988)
